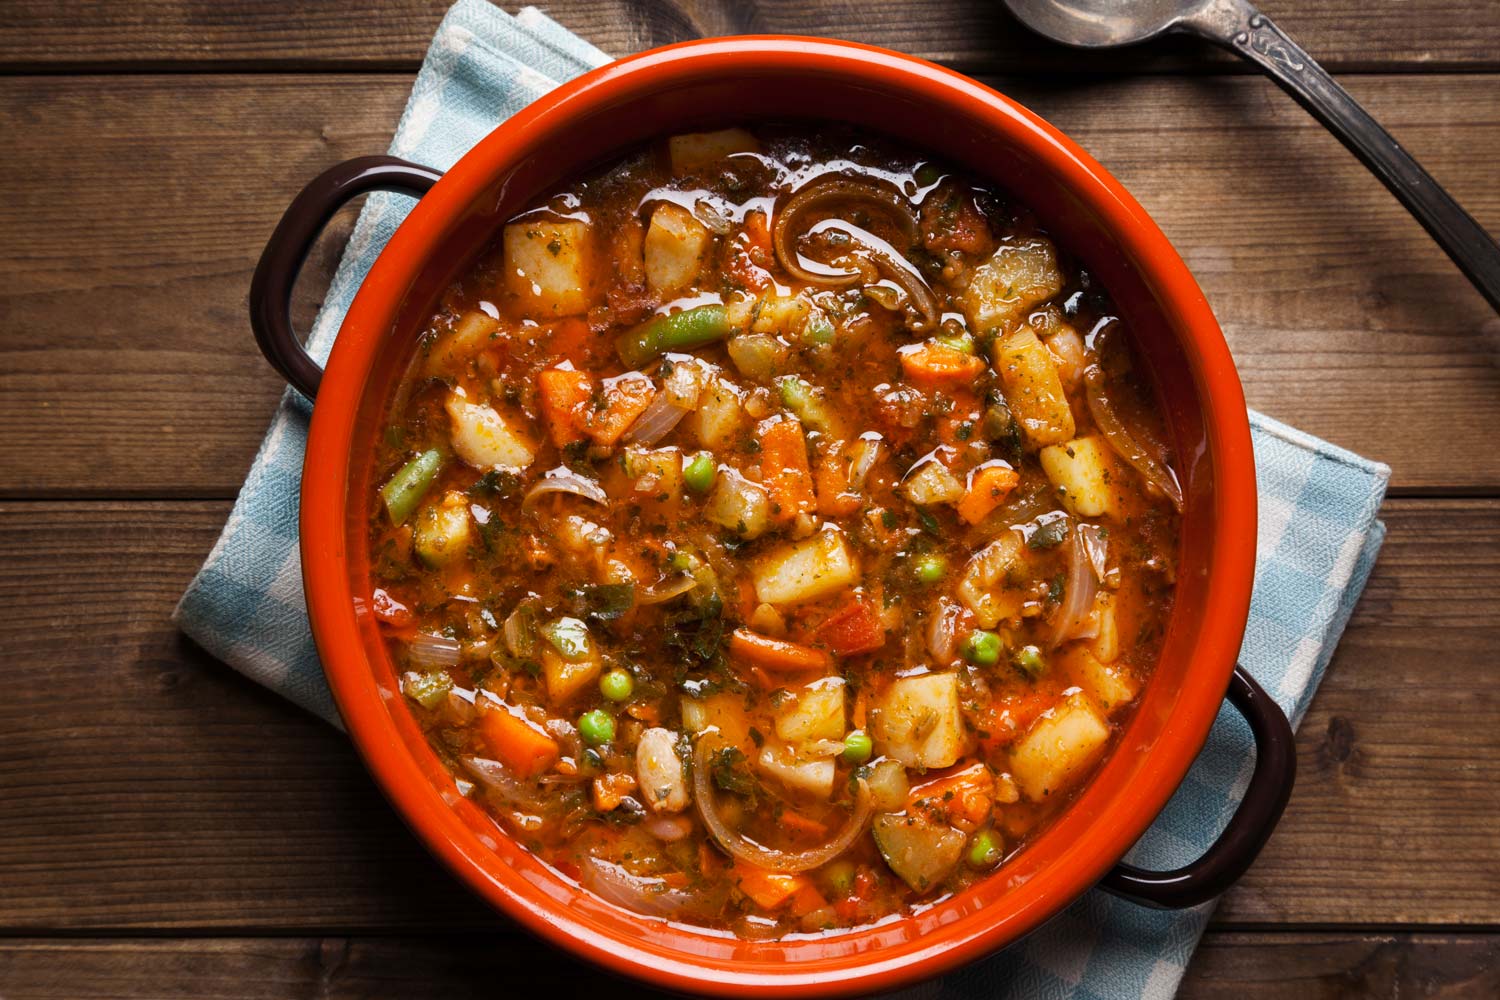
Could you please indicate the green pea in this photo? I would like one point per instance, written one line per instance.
(858, 747)
(617, 685)
(931, 568)
(1029, 661)
(982, 647)
(841, 876)
(985, 849)
(699, 472)
(596, 727)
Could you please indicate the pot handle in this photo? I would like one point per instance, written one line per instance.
(1250, 827)
(286, 251)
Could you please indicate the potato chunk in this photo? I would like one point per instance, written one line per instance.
(919, 721)
(816, 712)
(920, 852)
(659, 770)
(724, 712)
(810, 776)
(442, 531)
(719, 417)
(674, 248)
(1022, 273)
(548, 266)
(738, 504)
(1059, 749)
(482, 438)
(991, 584)
(696, 149)
(1033, 389)
(807, 570)
(1111, 687)
(1084, 472)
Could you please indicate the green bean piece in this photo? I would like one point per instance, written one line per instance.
(410, 484)
(699, 472)
(677, 331)
(799, 396)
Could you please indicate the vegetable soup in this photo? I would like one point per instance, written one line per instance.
(773, 529)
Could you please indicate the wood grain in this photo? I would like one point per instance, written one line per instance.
(978, 35)
(144, 786)
(1255, 966)
(139, 204)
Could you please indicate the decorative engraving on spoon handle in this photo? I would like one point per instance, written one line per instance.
(1262, 36)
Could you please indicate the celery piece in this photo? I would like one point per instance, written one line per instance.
(403, 491)
(673, 332)
(807, 402)
(427, 690)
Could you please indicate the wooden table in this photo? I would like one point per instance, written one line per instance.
(169, 829)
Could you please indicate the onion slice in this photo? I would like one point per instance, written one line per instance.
(667, 591)
(428, 651)
(742, 847)
(656, 422)
(564, 480)
(1097, 548)
(862, 458)
(1078, 596)
(496, 778)
(1155, 472)
(643, 894)
(822, 196)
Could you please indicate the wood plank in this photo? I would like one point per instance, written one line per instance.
(978, 35)
(1252, 966)
(144, 786)
(129, 369)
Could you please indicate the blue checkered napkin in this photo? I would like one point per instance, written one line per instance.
(1318, 541)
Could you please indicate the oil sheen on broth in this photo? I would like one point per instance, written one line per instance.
(773, 529)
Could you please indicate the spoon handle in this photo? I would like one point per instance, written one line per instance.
(1239, 27)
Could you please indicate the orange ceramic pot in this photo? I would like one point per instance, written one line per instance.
(713, 83)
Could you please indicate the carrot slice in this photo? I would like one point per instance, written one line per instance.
(932, 365)
(775, 654)
(831, 478)
(519, 744)
(988, 487)
(783, 468)
(564, 393)
(963, 797)
(854, 628)
(625, 398)
(768, 889)
(798, 825)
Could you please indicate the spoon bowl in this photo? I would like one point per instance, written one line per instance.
(1245, 31)
(1103, 24)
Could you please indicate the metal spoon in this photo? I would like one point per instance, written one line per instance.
(1239, 27)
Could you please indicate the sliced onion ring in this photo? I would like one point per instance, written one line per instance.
(656, 422)
(742, 847)
(1157, 474)
(1078, 595)
(614, 884)
(821, 195)
(666, 591)
(564, 480)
